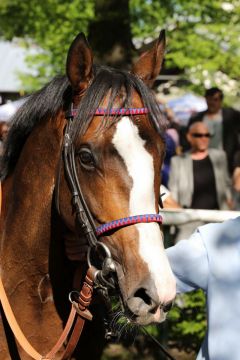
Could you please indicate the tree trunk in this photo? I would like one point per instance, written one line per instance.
(110, 33)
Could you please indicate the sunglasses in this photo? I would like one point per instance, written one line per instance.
(199, 135)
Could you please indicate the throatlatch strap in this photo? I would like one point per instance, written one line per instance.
(116, 224)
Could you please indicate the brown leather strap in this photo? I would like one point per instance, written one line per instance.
(22, 340)
(83, 314)
(63, 336)
(15, 327)
(11, 318)
(79, 308)
(85, 298)
(72, 342)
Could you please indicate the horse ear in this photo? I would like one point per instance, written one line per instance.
(79, 63)
(149, 64)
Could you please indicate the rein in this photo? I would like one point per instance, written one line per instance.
(79, 309)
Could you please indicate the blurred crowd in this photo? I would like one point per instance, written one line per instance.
(202, 165)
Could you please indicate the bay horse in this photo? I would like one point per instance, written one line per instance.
(95, 134)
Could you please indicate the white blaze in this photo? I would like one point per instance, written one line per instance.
(139, 163)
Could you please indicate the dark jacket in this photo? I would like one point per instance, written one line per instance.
(231, 132)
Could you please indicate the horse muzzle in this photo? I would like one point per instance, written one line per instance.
(144, 310)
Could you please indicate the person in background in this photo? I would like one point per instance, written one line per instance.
(223, 124)
(170, 152)
(199, 178)
(210, 260)
(172, 143)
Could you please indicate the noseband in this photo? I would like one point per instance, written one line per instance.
(83, 215)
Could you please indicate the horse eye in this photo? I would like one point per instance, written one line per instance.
(86, 157)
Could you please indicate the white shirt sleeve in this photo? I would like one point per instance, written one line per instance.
(189, 262)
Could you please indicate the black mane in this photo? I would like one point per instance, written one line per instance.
(57, 95)
(40, 105)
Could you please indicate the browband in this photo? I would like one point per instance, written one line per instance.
(111, 112)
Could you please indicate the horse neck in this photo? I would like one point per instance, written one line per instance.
(28, 201)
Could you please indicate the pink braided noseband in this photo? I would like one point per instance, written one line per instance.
(116, 224)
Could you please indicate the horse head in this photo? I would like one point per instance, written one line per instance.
(115, 136)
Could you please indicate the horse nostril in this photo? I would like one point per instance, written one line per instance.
(141, 293)
(154, 309)
(167, 307)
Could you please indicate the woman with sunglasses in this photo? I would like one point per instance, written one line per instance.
(199, 178)
(223, 122)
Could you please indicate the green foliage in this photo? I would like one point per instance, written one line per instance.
(184, 330)
(50, 24)
(187, 321)
(202, 36)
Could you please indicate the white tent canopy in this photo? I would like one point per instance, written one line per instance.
(186, 105)
(13, 61)
(9, 109)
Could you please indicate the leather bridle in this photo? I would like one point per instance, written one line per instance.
(84, 219)
(87, 227)
(102, 278)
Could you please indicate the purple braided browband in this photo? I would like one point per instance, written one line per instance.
(115, 111)
(116, 224)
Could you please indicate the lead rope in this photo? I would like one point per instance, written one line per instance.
(162, 348)
(79, 309)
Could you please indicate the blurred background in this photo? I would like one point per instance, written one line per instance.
(202, 51)
(202, 43)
